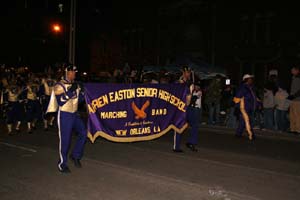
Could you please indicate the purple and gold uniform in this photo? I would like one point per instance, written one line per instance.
(46, 90)
(190, 113)
(247, 103)
(68, 97)
(33, 107)
(15, 111)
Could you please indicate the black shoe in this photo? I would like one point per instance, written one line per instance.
(76, 162)
(191, 147)
(64, 170)
(177, 151)
(238, 136)
(45, 129)
(252, 137)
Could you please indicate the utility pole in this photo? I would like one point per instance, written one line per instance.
(72, 32)
(213, 33)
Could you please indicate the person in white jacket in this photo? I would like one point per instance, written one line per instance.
(282, 105)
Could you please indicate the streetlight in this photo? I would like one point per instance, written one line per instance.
(56, 28)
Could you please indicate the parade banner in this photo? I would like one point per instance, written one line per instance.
(134, 112)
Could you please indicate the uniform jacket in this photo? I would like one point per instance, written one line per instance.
(245, 98)
(67, 100)
(63, 99)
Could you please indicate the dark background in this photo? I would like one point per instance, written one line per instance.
(239, 36)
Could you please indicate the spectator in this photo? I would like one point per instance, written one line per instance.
(133, 76)
(258, 115)
(273, 80)
(117, 76)
(268, 105)
(274, 84)
(197, 95)
(295, 98)
(282, 105)
(228, 95)
(213, 99)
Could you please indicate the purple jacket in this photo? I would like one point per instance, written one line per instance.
(246, 98)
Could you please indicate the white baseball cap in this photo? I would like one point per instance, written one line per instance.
(247, 76)
(273, 72)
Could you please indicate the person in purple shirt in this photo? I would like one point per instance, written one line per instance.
(246, 102)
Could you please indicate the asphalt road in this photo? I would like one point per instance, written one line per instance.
(224, 168)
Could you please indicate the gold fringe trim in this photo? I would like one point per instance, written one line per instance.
(135, 139)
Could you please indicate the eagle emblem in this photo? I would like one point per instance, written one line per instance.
(140, 113)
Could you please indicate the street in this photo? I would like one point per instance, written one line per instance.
(224, 168)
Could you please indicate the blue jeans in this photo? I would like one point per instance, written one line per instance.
(269, 118)
(231, 120)
(281, 120)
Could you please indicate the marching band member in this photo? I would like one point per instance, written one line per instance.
(68, 94)
(32, 105)
(247, 103)
(14, 107)
(186, 79)
(46, 90)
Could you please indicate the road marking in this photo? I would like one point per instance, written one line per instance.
(18, 147)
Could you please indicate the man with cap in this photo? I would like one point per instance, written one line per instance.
(247, 102)
(186, 79)
(68, 94)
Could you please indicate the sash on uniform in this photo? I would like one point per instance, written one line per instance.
(53, 105)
